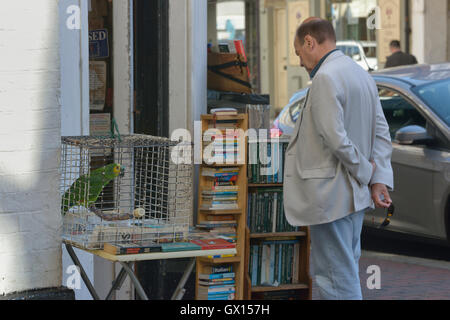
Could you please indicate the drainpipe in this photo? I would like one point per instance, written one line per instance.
(407, 26)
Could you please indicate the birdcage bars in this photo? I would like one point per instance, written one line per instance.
(150, 201)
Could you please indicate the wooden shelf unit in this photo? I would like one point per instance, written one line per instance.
(302, 289)
(240, 214)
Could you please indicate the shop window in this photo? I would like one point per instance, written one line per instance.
(350, 19)
(231, 20)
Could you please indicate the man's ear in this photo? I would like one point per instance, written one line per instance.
(309, 41)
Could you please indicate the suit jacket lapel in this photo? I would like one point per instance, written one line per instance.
(331, 57)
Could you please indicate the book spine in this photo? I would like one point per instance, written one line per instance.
(220, 275)
(272, 264)
(283, 259)
(249, 201)
(268, 226)
(275, 262)
(280, 261)
(258, 281)
(254, 274)
(264, 259)
(274, 212)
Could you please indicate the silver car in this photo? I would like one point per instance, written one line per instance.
(416, 103)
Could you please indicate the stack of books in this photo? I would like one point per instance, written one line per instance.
(224, 125)
(274, 263)
(266, 162)
(217, 283)
(266, 212)
(213, 244)
(220, 228)
(224, 112)
(222, 193)
(222, 145)
(132, 248)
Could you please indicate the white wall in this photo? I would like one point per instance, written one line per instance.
(30, 122)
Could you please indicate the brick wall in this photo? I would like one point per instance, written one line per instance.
(30, 125)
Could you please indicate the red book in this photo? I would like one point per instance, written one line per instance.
(239, 45)
(211, 244)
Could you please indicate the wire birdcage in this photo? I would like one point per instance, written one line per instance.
(127, 191)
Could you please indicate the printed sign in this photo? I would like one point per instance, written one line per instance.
(97, 84)
(98, 44)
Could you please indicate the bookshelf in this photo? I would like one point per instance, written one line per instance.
(240, 121)
(271, 233)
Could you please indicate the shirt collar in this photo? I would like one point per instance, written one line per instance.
(317, 67)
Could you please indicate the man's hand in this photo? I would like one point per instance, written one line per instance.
(379, 190)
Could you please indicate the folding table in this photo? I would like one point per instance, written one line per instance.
(127, 262)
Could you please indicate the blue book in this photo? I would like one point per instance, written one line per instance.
(216, 284)
(179, 246)
(221, 193)
(221, 291)
(279, 263)
(255, 265)
(222, 297)
(206, 276)
(224, 286)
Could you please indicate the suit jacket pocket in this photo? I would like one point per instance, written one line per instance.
(320, 173)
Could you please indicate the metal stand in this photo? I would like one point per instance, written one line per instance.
(127, 269)
(180, 291)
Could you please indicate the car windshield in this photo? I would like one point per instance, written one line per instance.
(437, 97)
(349, 50)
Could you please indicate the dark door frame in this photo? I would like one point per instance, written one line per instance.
(151, 60)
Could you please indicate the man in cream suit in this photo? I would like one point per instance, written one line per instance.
(338, 163)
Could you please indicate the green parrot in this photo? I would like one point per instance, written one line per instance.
(77, 195)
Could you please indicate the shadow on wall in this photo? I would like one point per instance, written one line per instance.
(30, 221)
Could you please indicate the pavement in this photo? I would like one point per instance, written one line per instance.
(402, 278)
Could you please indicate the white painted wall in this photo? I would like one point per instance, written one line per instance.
(30, 124)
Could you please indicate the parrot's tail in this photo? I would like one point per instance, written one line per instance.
(110, 216)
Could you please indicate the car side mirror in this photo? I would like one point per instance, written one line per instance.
(412, 135)
(356, 57)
